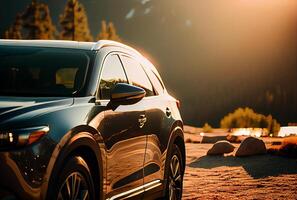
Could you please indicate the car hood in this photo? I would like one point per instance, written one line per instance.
(17, 110)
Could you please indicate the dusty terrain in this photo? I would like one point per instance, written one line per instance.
(229, 177)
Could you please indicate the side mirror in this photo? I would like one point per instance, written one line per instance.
(125, 94)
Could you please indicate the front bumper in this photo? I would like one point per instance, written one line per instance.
(18, 177)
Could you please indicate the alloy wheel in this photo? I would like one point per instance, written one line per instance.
(74, 188)
(175, 179)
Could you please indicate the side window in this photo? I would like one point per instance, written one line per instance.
(136, 75)
(112, 74)
(155, 81)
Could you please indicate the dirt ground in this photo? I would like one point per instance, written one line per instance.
(228, 177)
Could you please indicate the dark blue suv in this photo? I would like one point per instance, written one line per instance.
(84, 120)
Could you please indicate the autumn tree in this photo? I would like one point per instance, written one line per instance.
(273, 126)
(37, 23)
(74, 22)
(103, 35)
(15, 30)
(112, 32)
(108, 32)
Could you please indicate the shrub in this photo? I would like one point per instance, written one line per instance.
(247, 118)
(207, 128)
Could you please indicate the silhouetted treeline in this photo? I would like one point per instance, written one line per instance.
(35, 23)
(278, 100)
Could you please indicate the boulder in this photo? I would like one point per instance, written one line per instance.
(221, 147)
(251, 146)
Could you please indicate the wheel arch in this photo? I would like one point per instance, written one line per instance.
(177, 138)
(181, 145)
(77, 143)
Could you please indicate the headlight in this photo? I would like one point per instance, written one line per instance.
(22, 137)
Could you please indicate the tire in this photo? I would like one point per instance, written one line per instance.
(74, 181)
(175, 175)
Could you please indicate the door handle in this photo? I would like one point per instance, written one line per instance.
(168, 112)
(141, 120)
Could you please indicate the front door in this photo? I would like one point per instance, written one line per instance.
(152, 106)
(123, 136)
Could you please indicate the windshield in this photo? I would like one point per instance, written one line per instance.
(35, 71)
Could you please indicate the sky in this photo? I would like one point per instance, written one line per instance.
(214, 56)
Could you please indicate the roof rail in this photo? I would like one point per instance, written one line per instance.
(105, 43)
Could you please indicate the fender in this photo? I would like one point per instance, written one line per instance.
(81, 136)
(176, 131)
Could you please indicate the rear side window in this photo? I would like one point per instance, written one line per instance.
(155, 81)
(112, 74)
(136, 75)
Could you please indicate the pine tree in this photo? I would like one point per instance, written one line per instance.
(108, 32)
(37, 23)
(14, 31)
(103, 35)
(112, 32)
(74, 22)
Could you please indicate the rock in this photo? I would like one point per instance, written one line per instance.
(221, 147)
(251, 146)
(212, 139)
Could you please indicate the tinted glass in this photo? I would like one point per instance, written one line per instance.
(34, 71)
(137, 75)
(66, 77)
(155, 81)
(112, 74)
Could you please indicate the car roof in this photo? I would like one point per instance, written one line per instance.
(94, 46)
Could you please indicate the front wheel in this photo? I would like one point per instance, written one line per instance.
(75, 181)
(175, 175)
